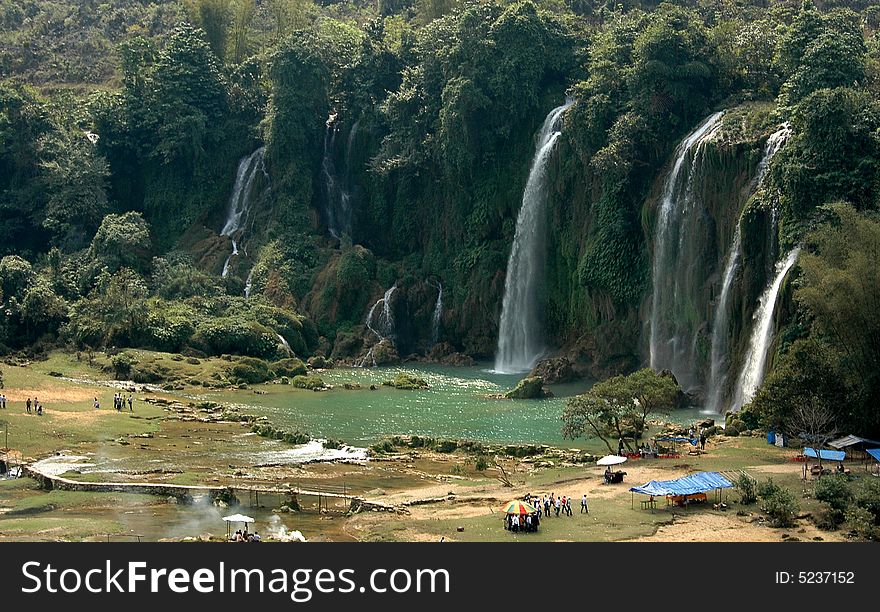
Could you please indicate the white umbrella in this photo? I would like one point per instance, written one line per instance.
(611, 460)
(236, 518)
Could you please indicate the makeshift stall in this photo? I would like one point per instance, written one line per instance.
(822, 455)
(236, 518)
(612, 477)
(875, 454)
(682, 491)
(855, 447)
(675, 440)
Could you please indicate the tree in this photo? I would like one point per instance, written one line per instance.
(814, 422)
(243, 19)
(75, 178)
(829, 61)
(834, 153)
(122, 241)
(214, 17)
(618, 408)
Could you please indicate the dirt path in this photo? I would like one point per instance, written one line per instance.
(704, 525)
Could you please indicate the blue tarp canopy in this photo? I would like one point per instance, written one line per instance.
(874, 452)
(673, 439)
(700, 482)
(827, 455)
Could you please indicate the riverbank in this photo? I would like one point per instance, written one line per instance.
(454, 495)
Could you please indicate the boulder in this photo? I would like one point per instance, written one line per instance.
(530, 387)
(319, 362)
(554, 370)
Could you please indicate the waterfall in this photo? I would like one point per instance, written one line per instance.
(385, 324)
(438, 313)
(520, 344)
(338, 209)
(241, 200)
(752, 374)
(673, 335)
(719, 369)
(284, 343)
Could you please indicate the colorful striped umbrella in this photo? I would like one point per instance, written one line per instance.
(519, 507)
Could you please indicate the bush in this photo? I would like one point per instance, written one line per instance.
(122, 364)
(385, 446)
(314, 383)
(867, 496)
(835, 491)
(481, 463)
(251, 371)
(778, 503)
(406, 381)
(748, 489)
(861, 521)
(289, 367)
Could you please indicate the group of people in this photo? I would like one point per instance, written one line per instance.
(36, 406)
(240, 536)
(559, 505)
(544, 507)
(119, 402)
(524, 522)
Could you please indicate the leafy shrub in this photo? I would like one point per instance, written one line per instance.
(481, 463)
(835, 491)
(748, 489)
(867, 496)
(385, 446)
(407, 382)
(314, 383)
(122, 364)
(778, 503)
(289, 367)
(251, 370)
(861, 521)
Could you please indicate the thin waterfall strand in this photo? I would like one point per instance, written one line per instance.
(754, 366)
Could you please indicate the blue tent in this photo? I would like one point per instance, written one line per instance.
(826, 455)
(701, 482)
(874, 452)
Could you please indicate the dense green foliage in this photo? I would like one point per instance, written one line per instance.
(122, 123)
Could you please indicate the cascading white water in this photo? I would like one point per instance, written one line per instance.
(338, 209)
(241, 199)
(385, 324)
(754, 365)
(720, 359)
(438, 313)
(672, 335)
(520, 344)
(284, 343)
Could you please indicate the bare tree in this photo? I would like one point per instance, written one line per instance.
(502, 474)
(815, 422)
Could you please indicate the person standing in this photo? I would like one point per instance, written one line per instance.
(28, 405)
(703, 439)
(620, 447)
(97, 404)
(584, 509)
(130, 409)
(558, 506)
(546, 506)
